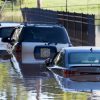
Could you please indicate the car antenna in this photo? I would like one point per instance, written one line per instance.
(91, 49)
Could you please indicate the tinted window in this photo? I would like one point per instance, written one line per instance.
(84, 58)
(44, 34)
(6, 31)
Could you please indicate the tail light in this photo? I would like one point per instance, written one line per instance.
(18, 52)
(68, 73)
(18, 48)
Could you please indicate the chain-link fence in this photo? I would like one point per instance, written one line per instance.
(81, 27)
(10, 11)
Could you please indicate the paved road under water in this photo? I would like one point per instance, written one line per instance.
(35, 84)
(25, 82)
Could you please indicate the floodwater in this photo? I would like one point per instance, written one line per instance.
(24, 82)
(28, 82)
(97, 38)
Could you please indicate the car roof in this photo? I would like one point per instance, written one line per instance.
(82, 49)
(9, 24)
(14, 24)
(41, 25)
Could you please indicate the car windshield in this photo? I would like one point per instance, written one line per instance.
(84, 58)
(44, 34)
(6, 31)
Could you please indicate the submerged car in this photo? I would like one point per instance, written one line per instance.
(37, 42)
(80, 83)
(5, 53)
(76, 61)
(6, 40)
(6, 32)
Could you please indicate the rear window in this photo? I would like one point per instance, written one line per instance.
(6, 32)
(84, 58)
(44, 34)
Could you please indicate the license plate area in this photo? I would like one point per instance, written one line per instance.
(43, 52)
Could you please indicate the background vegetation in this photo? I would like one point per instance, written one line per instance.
(79, 6)
(71, 5)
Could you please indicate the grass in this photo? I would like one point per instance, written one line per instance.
(79, 6)
(86, 6)
(47, 3)
(76, 96)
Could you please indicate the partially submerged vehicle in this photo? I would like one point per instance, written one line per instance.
(76, 68)
(6, 41)
(5, 53)
(37, 42)
(76, 61)
(80, 83)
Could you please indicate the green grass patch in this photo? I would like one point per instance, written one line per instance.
(79, 6)
(76, 96)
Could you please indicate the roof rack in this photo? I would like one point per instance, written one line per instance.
(40, 22)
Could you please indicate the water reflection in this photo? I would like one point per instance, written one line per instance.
(38, 82)
(28, 82)
(41, 84)
(9, 88)
(97, 31)
(79, 83)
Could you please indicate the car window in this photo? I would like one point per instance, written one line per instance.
(84, 58)
(60, 59)
(44, 34)
(6, 31)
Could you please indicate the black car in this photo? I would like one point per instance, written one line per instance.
(37, 42)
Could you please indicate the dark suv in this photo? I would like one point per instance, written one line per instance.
(37, 42)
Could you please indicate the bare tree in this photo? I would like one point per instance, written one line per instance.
(39, 2)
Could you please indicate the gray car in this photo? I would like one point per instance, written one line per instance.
(7, 39)
(76, 61)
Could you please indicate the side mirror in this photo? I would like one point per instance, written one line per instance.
(48, 62)
(6, 39)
